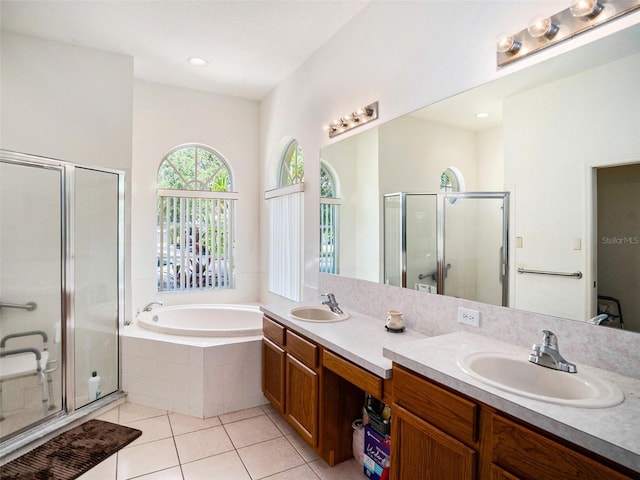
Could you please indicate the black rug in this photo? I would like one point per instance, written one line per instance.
(71, 453)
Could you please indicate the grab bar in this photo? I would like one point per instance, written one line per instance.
(29, 307)
(557, 274)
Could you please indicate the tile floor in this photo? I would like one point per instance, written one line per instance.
(250, 444)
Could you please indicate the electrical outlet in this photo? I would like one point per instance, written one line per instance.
(468, 316)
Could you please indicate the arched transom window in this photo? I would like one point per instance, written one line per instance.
(292, 167)
(195, 220)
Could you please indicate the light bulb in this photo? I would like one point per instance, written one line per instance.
(541, 26)
(586, 8)
(507, 44)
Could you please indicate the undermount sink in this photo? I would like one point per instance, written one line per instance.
(515, 374)
(316, 313)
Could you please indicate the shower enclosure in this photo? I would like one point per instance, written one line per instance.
(448, 243)
(61, 295)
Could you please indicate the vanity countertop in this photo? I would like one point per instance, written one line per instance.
(612, 432)
(359, 339)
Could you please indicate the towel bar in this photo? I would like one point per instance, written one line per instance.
(557, 274)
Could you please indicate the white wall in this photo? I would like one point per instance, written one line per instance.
(586, 120)
(165, 117)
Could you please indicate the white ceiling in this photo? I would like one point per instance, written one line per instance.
(251, 46)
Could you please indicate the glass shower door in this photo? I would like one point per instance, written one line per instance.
(96, 281)
(31, 268)
(475, 246)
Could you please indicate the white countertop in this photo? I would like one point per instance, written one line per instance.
(359, 339)
(612, 432)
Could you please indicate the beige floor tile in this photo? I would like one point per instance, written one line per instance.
(147, 458)
(305, 450)
(299, 473)
(130, 412)
(281, 423)
(174, 473)
(349, 470)
(154, 428)
(241, 415)
(185, 424)
(110, 416)
(269, 458)
(226, 466)
(202, 443)
(103, 471)
(252, 430)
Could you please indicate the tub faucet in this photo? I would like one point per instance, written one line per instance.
(147, 308)
(332, 303)
(548, 355)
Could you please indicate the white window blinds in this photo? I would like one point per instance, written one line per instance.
(286, 208)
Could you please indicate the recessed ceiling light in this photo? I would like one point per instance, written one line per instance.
(482, 115)
(198, 62)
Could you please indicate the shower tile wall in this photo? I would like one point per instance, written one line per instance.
(193, 380)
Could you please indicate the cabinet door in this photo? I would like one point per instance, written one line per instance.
(273, 368)
(499, 474)
(532, 456)
(422, 452)
(301, 407)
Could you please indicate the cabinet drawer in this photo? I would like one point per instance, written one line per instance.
(273, 331)
(302, 349)
(452, 414)
(527, 454)
(353, 373)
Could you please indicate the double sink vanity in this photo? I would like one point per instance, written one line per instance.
(464, 406)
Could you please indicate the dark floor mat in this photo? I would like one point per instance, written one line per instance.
(71, 453)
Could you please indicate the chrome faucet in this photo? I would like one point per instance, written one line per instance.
(548, 355)
(147, 307)
(332, 303)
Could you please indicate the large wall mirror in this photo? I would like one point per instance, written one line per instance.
(560, 136)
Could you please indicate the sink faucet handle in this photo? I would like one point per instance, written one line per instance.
(550, 339)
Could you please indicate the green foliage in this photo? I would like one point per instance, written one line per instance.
(194, 168)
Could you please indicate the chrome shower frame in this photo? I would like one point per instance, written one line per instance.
(70, 412)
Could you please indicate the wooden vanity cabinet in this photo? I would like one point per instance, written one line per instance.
(318, 392)
(273, 363)
(440, 434)
(302, 387)
(434, 433)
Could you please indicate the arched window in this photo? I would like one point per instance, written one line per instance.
(329, 221)
(292, 167)
(195, 220)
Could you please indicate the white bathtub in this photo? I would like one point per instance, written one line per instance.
(198, 360)
(216, 320)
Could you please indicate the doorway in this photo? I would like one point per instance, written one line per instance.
(618, 245)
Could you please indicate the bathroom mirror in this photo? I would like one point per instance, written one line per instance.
(549, 129)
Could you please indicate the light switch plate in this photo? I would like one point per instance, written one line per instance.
(469, 317)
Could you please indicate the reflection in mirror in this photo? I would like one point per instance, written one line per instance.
(452, 244)
(549, 127)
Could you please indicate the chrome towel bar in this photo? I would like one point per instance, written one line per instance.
(30, 307)
(557, 274)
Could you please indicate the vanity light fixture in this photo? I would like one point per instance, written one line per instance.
(482, 115)
(352, 120)
(544, 31)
